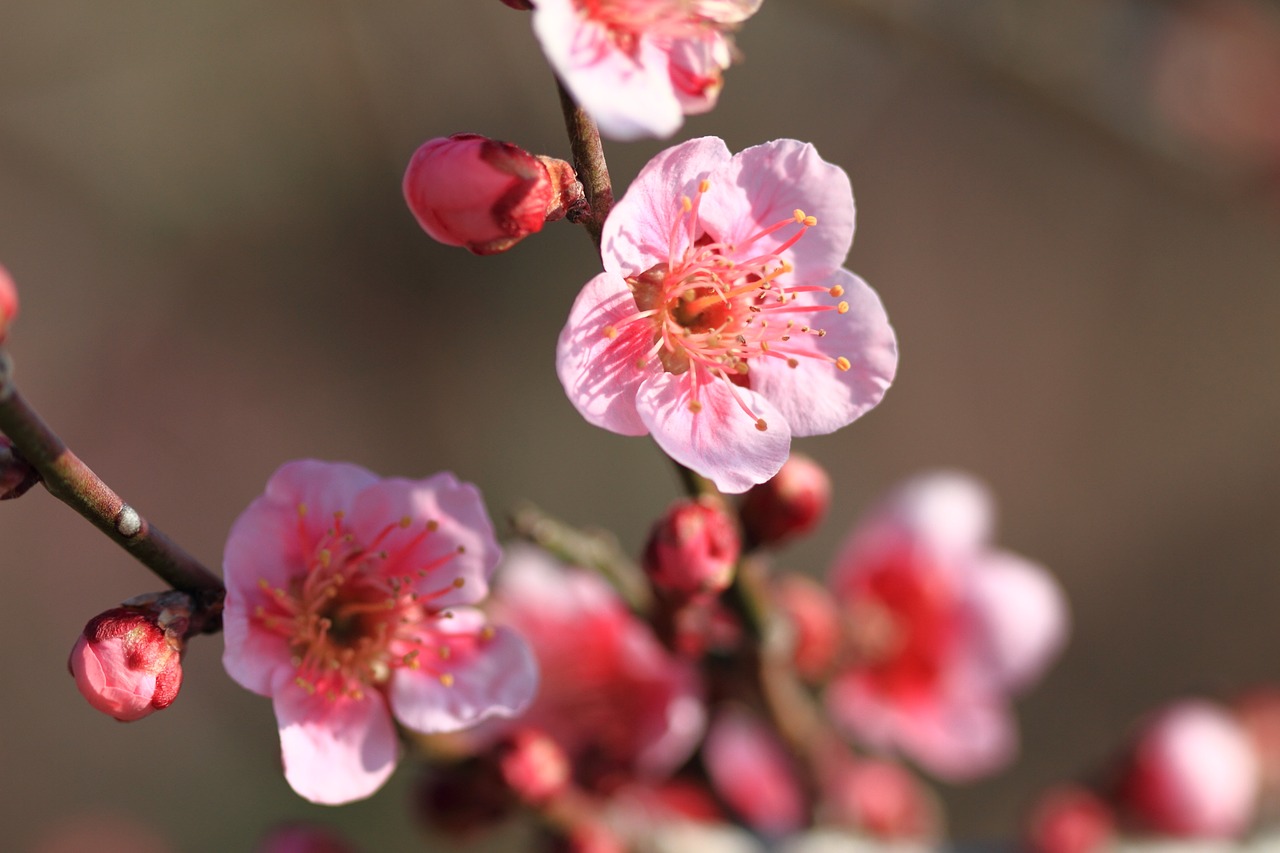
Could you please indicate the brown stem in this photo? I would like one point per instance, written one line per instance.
(71, 481)
(588, 162)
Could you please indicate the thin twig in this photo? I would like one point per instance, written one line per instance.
(588, 162)
(71, 481)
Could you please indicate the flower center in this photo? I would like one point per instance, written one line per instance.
(714, 313)
(356, 614)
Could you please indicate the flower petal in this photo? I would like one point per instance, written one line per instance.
(252, 655)
(334, 751)
(752, 771)
(721, 441)
(815, 396)
(320, 488)
(448, 550)
(950, 513)
(637, 234)
(766, 184)
(1022, 618)
(599, 373)
(496, 677)
(629, 96)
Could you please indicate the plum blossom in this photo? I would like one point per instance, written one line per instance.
(723, 323)
(942, 629)
(752, 771)
(348, 604)
(621, 707)
(639, 66)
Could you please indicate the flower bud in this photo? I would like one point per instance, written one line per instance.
(484, 195)
(8, 303)
(815, 624)
(1192, 773)
(1070, 819)
(17, 475)
(692, 550)
(790, 504)
(880, 798)
(128, 660)
(533, 765)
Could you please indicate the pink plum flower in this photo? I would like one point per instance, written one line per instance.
(943, 629)
(620, 705)
(347, 604)
(638, 66)
(752, 771)
(723, 323)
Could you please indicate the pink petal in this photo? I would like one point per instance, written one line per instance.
(767, 184)
(599, 373)
(720, 442)
(322, 487)
(696, 66)
(534, 586)
(251, 654)
(637, 234)
(816, 397)
(499, 679)
(629, 97)
(753, 773)
(1022, 618)
(334, 751)
(959, 735)
(461, 522)
(950, 513)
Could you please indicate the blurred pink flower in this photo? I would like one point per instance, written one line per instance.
(346, 600)
(8, 302)
(723, 323)
(943, 629)
(752, 771)
(638, 66)
(620, 706)
(1192, 772)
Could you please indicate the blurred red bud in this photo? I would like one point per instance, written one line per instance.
(17, 475)
(523, 5)
(815, 624)
(533, 765)
(692, 550)
(8, 303)
(484, 195)
(790, 504)
(1070, 819)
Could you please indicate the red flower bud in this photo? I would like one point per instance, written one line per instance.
(128, 660)
(692, 550)
(8, 303)
(533, 765)
(815, 623)
(790, 504)
(17, 475)
(1070, 819)
(484, 195)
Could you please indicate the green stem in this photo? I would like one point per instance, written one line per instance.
(71, 481)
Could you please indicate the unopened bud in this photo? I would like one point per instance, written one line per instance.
(1070, 819)
(692, 550)
(880, 798)
(8, 303)
(17, 475)
(303, 838)
(533, 765)
(484, 195)
(1192, 773)
(128, 660)
(790, 504)
(815, 624)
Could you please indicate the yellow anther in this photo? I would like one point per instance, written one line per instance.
(799, 215)
(444, 652)
(843, 363)
(433, 526)
(695, 406)
(405, 521)
(685, 204)
(742, 367)
(764, 346)
(462, 549)
(842, 308)
(761, 425)
(338, 515)
(262, 583)
(458, 583)
(305, 685)
(810, 221)
(446, 679)
(704, 185)
(689, 295)
(836, 290)
(325, 557)
(641, 363)
(302, 510)
(791, 362)
(610, 332)
(488, 632)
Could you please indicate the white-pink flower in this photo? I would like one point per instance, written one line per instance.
(723, 323)
(943, 629)
(347, 604)
(639, 66)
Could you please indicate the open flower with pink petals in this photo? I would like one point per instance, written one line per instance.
(620, 705)
(942, 629)
(639, 66)
(348, 604)
(723, 323)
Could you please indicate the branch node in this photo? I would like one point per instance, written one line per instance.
(128, 522)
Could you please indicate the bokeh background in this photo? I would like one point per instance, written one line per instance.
(1069, 208)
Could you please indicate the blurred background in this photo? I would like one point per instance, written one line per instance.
(1070, 209)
